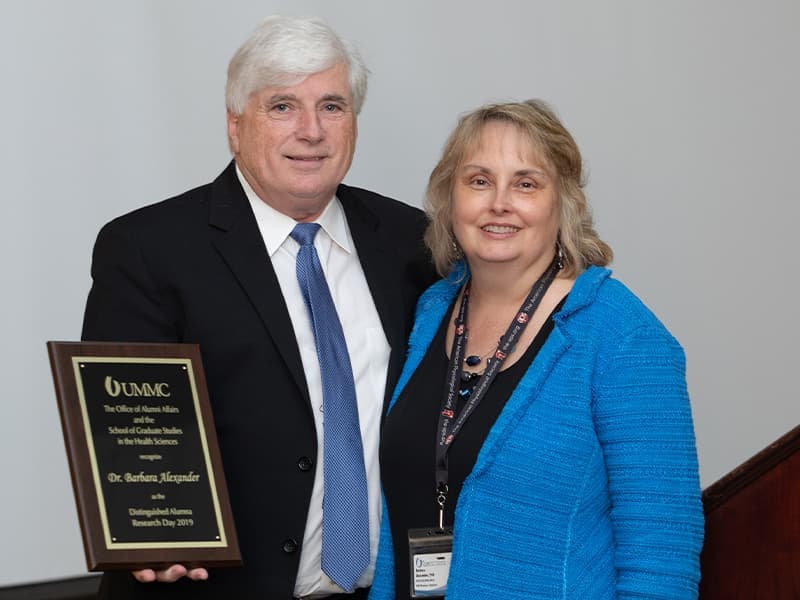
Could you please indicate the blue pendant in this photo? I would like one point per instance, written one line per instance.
(473, 360)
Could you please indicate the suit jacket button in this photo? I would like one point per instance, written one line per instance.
(304, 463)
(289, 546)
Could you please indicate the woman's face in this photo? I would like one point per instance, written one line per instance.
(505, 202)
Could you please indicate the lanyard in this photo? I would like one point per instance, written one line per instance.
(449, 424)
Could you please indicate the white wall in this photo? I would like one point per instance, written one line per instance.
(686, 113)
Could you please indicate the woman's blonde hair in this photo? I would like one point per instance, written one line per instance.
(579, 243)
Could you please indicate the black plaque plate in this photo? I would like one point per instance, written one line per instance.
(143, 455)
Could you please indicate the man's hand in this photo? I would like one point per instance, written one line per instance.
(170, 575)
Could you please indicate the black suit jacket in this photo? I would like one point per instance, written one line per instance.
(194, 269)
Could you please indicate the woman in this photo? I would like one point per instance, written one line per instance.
(561, 456)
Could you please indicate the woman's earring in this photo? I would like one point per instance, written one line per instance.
(560, 254)
(457, 251)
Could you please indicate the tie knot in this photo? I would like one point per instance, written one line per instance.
(304, 233)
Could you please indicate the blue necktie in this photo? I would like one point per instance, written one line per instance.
(345, 516)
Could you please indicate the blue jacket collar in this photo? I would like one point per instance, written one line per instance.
(437, 299)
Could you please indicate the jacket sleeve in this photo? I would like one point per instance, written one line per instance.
(125, 302)
(644, 423)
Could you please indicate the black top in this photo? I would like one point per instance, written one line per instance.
(408, 442)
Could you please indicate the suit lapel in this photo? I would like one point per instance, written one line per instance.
(239, 241)
(379, 264)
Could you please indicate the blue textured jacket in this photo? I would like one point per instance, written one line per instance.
(587, 485)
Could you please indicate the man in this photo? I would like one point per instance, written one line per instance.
(219, 266)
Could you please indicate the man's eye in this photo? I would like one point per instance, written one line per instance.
(332, 108)
(280, 107)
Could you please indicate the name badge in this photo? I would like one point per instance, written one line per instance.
(429, 554)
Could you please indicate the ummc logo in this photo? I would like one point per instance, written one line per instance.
(130, 389)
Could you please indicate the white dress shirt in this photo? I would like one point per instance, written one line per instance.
(369, 357)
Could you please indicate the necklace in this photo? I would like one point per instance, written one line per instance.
(449, 424)
(473, 360)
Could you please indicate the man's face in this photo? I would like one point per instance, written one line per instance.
(295, 144)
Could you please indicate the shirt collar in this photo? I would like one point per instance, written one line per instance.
(275, 226)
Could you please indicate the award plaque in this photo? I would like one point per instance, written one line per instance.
(143, 455)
